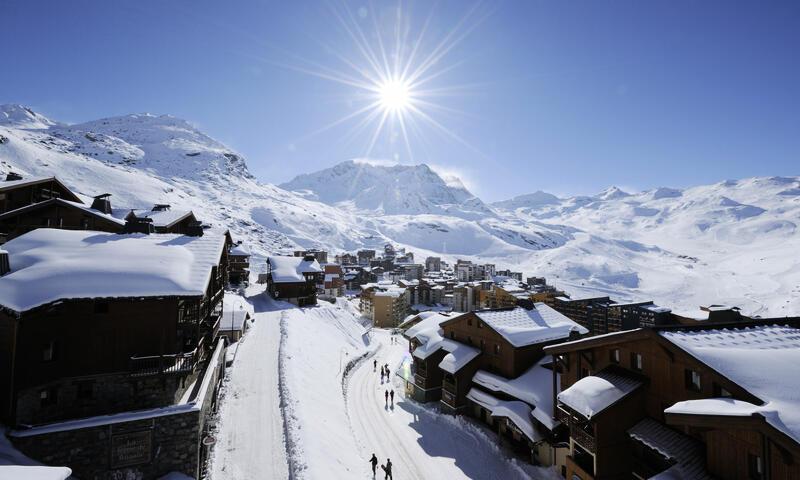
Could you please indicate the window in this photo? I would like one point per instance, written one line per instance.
(453, 335)
(85, 223)
(614, 355)
(692, 380)
(469, 322)
(636, 361)
(483, 345)
(497, 349)
(48, 396)
(755, 467)
(45, 222)
(100, 306)
(480, 324)
(49, 351)
(719, 391)
(85, 389)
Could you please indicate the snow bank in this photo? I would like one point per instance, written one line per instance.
(522, 327)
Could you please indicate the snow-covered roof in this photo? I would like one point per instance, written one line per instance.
(9, 184)
(60, 201)
(523, 327)
(687, 453)
(241, 250)
(51, 264)
(534, 387)
(458, 356)
(235, 310)
(593, 394)
(34, 472)
(291, 269)
(163, 218)
(518, 412)
(696, 314)
(761, 359)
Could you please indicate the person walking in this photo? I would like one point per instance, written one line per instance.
(375, 365)
(387, 469)
(391, 395)
(386, 396)
(374, 462)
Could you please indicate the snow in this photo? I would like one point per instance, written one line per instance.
(660, 245)
(687, 453)
(522, 327)
(240, 250)
(458, 356)
(250, 438)
(49, 265)
(18, 472)
(761, 359)
(591, 395)
(162, 218)
(9, 184)
(534, 386)
(291, 269)
(518, 412)
(728, 407)
(235, 310)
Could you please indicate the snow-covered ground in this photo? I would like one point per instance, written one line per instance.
(302, 401)
(732, 242)
(250, 439)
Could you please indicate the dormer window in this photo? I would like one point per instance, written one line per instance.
(637, 362)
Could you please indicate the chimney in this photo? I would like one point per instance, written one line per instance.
(5, 266)
(101, 203)
(11, 176)
(134, 224)
(161, 207)
(195, 229)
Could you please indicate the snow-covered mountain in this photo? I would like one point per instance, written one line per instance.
(732, 242)
(389, 189)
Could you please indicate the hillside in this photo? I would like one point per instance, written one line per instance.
(731, 242)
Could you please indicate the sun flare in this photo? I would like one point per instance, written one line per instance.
(395, 96)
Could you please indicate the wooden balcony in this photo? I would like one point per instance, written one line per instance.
(585, 439)
(171, 364)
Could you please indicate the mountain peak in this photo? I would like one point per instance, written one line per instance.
(389, 188)
(612, 193)
(20, 116)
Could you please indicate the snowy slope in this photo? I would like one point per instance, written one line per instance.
(732, 242)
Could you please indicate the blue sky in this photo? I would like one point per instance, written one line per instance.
(567, 97)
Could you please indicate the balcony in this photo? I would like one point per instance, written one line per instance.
(171, 364)
(420, 381)
(581, 436)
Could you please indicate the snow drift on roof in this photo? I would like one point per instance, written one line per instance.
(240, 250)
(523, 327)
(291, 269)
(235, 310)
(49, 265)
(534, 387)
(458, 357)
(593, 394)
(686, 452)
(762, 360)
(518, 412)
(163, 218)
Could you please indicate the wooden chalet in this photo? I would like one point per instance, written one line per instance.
(293, 279)
(166, 220)
(716, 400)
(17, 192)
(96, 323)
(58, 213)
(239, 261)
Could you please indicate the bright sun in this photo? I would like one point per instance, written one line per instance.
(394, 96)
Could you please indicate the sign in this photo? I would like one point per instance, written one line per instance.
(131, 448)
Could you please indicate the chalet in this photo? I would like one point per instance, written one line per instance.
(101, 328)
(714, 400)
(236, 316)
(164, 219)
(61, 214)
(17, 192)
(355, 276)
(320, 255)
(293, 279)
(239, 261)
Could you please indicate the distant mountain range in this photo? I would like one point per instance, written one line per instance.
(731, 242)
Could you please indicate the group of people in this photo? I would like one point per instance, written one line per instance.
(387, 469)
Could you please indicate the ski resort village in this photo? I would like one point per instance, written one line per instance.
(165, 316)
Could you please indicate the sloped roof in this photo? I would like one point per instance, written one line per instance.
(10, 184)
(517, 412)
(50, 264)
(522, 327)
(65, 203)
(761, 359)
(291, 269)
(591, 395)
(687, 453)
(163, 218)
(458, 356)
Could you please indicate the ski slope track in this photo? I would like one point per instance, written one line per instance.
(734, 242)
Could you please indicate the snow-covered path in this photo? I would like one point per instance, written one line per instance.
(250, 441)
(422, 443)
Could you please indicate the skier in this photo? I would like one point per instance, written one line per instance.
(391, 394)
(374, 462)
(387, 469)
(386, 396)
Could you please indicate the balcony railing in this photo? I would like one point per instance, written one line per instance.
(585, 439)
(171, 364)
(420, 381)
